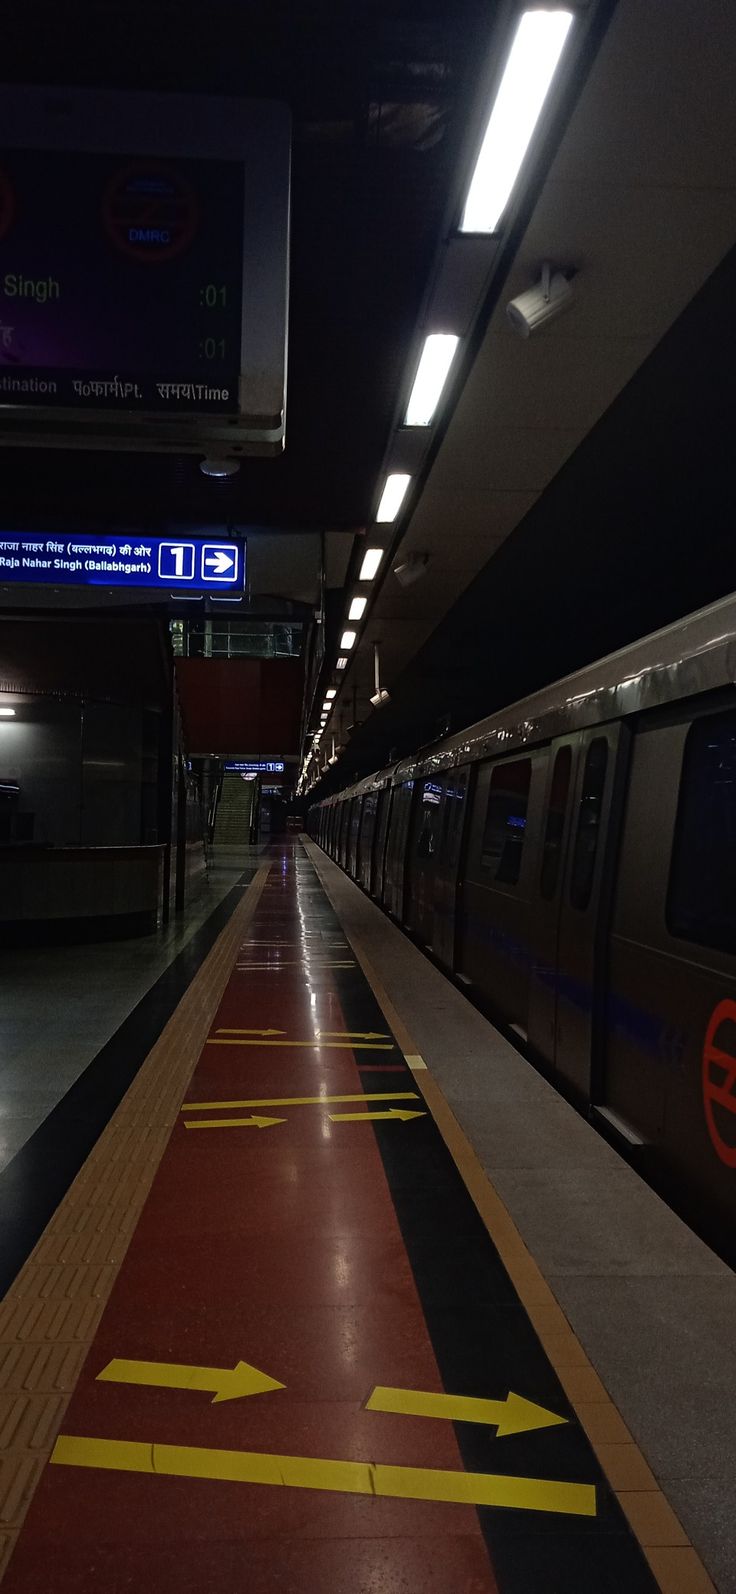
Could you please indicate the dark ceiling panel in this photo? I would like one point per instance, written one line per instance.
(588, 571)
(379, 95)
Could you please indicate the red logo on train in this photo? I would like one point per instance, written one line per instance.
(719, 1083)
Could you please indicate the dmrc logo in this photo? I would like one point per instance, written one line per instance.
(719, 1080)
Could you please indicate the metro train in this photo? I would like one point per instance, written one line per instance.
(572, 861)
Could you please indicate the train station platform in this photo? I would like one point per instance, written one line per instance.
(344, 1299)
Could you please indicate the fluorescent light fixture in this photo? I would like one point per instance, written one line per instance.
(357, 608)
(330, 693)
(342, 664)
(432, 373)
(371, 561)
(7, 713)
(392, 496)
(535, 52)
(347, 640)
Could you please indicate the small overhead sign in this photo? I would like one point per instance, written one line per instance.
(256, 766)
(128, 560)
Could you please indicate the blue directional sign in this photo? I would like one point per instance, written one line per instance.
(121, 560)
(257, 766)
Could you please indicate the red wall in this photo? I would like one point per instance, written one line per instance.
(240, 705)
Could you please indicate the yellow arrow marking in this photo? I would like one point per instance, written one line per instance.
(354, 1034)
(364, 1117)
(322, 1036)
(302, 1101)
(512, 1415)
(228, 1383)
(253, 1122)
(296, 963)
(340, 1046)
(342, 1477)
(251, 1031)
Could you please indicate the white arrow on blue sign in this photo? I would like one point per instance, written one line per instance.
(218, 563)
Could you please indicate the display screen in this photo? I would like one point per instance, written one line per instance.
(120, 282)
(127, 560)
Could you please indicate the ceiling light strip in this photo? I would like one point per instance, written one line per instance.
(432, 373)
(533, 60)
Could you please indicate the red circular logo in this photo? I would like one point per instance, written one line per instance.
(150, 212)
(719, 1084)
(7, 204)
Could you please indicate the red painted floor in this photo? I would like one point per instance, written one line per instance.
(279, 1247)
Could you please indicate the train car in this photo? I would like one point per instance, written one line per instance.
(572, 859)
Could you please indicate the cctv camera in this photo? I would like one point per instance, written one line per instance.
(411, 569)
(539, 304)
(219, 467)
(380, 697)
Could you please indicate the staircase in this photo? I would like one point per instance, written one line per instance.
(232, 820)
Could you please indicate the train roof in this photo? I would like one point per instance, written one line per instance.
(695, 654)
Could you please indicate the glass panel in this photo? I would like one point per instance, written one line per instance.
(701, 901)
(555, 822)
(589, 820)
(503, 836)
(428, 820)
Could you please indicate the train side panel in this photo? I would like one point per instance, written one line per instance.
(669, 1067)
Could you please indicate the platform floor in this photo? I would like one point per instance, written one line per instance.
(282, 1332)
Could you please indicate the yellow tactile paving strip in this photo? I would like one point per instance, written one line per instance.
(671, 1556)
(50, 1314)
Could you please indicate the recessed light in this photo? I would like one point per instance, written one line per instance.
(357, 608)
(392, 496)
(342, 664)
(532, 62)
(432, 373)
(347, 640)
(371, 561)
(332, 692)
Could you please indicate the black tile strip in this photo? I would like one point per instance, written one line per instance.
(39, 1175)
(485, 1346)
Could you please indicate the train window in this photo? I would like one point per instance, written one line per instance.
(555, 826)
(701, 900)
(428, 820)
(589, 821)
(503, 836)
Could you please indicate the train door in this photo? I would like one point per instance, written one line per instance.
(396, 849)
(586, 900)
(545, 964)
(342, 845)
(448, 868)
(422, 855)
(365, 843)
(356, 813)
(383, 820)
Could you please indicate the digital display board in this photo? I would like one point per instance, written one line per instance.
(121, 560)
(121, 282)
(144, 265)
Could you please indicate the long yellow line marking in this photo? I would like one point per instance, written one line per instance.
(316, 1046)
(342, 1477)
(302, 1101)
(512, 1415)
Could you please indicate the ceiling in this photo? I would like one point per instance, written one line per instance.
(379, 93)
(640, 200)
